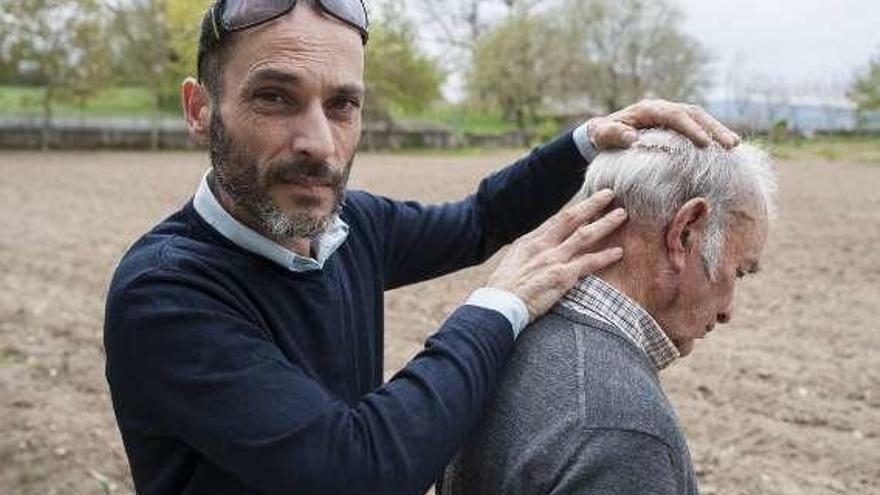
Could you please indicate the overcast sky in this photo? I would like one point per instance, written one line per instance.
(811, 47)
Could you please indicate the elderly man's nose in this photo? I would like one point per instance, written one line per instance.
(725, 314)
(313, 135)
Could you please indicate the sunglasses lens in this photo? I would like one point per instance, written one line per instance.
(238, 14)
(241, 14)
(350, 11)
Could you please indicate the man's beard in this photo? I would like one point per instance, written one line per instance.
(237, 174)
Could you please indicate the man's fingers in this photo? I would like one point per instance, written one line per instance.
(677, 118)
(570, 219)
(589, 234)
(542, 266)
(607, 134)
(589, 263)
(724, 136)
(619, 130)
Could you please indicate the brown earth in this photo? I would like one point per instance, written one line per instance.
(785, 400)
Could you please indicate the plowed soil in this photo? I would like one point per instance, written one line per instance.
(784, 400)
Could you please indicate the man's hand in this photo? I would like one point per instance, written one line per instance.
(543, 265)
(618, 130)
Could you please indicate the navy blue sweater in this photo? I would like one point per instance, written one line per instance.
(231, 374)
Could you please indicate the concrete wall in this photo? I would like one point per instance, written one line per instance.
(130, 133)
(93, 133)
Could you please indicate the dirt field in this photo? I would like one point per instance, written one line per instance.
(785, 400)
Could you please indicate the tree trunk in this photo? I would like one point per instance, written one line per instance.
(154, 122)
(389, 132)
(522, 128)
(46, 130)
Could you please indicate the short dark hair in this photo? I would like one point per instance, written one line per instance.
(214, 45)
(215, 42)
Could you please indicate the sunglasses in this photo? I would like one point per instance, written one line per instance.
(236, 15)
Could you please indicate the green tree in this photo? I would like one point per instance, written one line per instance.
(398, 76)
(865, 88)
(516, 65)
(60, 45)
(157, 47)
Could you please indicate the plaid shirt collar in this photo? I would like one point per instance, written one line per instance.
(596, 298)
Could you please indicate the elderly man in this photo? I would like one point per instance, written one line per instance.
(580, 408)
(244, 333)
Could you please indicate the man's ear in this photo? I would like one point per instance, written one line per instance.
(196, 109)
(686, 231)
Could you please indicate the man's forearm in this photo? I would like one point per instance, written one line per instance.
(520, 197)
(430, 241)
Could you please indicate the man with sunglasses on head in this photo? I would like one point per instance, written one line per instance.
(244, 333)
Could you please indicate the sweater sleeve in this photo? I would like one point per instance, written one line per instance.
(422, 242)
(182, 362)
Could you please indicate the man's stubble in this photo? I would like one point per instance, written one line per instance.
(237, 174)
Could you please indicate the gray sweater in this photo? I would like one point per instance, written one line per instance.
(579, 410)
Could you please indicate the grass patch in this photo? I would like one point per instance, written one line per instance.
(122, 101)
(828, 148)
(448, 152)
(18, 100)
(463, 120)
(137, 102)
(11, 356)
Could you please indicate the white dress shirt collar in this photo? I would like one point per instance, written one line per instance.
(209, 208)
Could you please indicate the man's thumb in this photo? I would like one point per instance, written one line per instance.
(607, 135)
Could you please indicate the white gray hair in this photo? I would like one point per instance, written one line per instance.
(663, 170)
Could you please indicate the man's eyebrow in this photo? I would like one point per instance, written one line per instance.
(350, 90)
(290, 78)
(270, 74)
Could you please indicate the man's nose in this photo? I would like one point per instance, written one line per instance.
(725, 314)
(313, 135)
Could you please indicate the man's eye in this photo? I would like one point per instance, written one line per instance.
(344, 104)
(740, 273)
(273, 97)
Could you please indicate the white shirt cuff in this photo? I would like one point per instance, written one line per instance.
(508, 304)
(582, 141)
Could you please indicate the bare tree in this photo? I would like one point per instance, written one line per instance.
(635, 49)
(736, 90)
(775, 100)
(596, 52)
(457, 26)
(865, 90)
(458, 23)
(461, 23)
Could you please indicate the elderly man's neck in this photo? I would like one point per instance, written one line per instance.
(633, 276)
(626, 283)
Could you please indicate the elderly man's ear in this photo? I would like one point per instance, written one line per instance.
(686, 232)
(197, 110)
